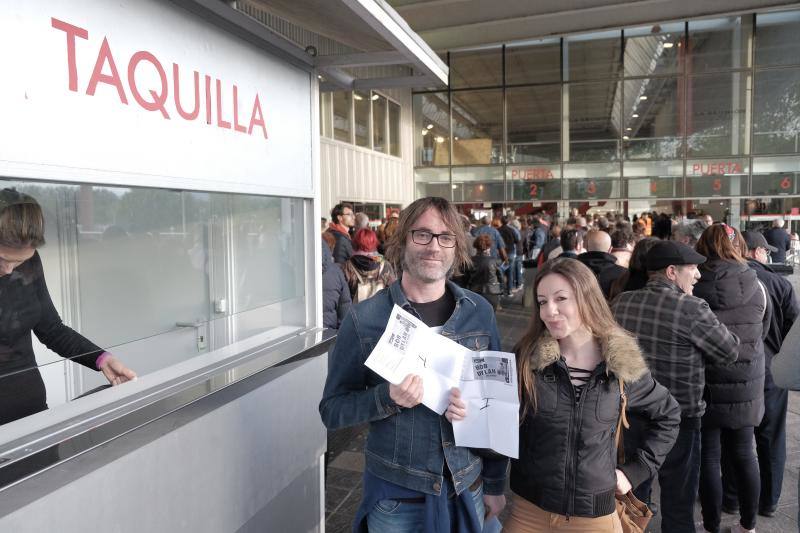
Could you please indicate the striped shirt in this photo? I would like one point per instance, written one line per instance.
(678, 334)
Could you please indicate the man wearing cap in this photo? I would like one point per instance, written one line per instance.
(678, 334)
(771, 434)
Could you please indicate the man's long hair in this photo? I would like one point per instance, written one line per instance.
(396, 244)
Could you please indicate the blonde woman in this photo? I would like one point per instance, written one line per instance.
(570, 363)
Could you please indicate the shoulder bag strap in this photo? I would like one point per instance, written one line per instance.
(622, 421)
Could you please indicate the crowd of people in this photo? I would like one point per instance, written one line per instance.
(648, 355)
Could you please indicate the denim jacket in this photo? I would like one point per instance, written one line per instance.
(408, 447)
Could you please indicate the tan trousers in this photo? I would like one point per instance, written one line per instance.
(528, 518)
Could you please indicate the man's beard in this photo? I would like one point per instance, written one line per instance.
(427, 273)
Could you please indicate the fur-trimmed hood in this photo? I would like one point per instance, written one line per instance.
(621, 353)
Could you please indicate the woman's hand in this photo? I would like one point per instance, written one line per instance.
(623, 485)
(457, 409)
(115, 372)
(493, 505)
(409, 393)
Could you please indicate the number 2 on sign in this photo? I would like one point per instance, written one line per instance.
(534, 190)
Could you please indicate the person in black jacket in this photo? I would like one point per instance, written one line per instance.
(336, 298)
(600, 261)
(486, 276)
(780, 239)
(571, 362)
(771, 433)
(27, 307)
(735, 393)
(342, 221)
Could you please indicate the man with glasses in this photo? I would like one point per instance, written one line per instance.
(771, 434)
(416, 478)
(342, 220)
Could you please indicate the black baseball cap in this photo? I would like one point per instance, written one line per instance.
(666, 253)
(754, 240)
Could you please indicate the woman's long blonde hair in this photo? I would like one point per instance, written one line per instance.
(592, 309)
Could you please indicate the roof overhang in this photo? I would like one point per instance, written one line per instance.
(357, 33)
(455, 24)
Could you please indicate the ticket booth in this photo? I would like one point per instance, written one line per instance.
(174, 150)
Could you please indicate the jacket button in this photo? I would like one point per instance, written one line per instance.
(437, 486)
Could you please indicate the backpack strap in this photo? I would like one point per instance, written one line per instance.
(622, 421)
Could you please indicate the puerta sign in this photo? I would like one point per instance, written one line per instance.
(145, 93)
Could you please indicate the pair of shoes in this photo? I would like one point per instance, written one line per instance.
(768, 512)
(730, 509)
(739, 529)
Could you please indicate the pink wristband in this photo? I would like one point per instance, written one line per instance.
(99, 361)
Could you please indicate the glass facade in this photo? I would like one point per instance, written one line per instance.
(663, 113)
(366, 119)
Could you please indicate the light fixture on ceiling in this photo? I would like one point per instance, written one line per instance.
(375, 96)
(643, 97)
(628, 129)
(429, 126)
(455, 138)
(455, 187)
(357, 96)
(669, 45)
(424, 133)
(626, 138)
(635, 115)
(440, 139)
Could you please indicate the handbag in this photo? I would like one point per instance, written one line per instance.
(633, 513)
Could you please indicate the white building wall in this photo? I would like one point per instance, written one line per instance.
(351, 172)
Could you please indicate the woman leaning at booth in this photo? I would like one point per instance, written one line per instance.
(25, 307)
(572, 362)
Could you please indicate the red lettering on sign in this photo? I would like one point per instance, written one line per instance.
(786, 182)
(177, 90)
(72, 32)
(104, 56)
(236, 125)
(534, 190)
(532, 173)
(716, 169)
(157, 98)
(221, 122)
(257, 118)
(653, 186)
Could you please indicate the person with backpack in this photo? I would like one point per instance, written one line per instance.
(366, 271)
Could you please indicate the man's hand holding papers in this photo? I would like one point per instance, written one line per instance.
(422, 365)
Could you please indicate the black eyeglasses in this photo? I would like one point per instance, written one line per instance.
(424, 237)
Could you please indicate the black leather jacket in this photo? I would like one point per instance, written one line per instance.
(567, 449)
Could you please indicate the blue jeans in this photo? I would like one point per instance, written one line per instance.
(392, 516)
(511, 277)
(679, 478)
(518, 271)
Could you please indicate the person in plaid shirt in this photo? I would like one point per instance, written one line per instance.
(678, 334)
